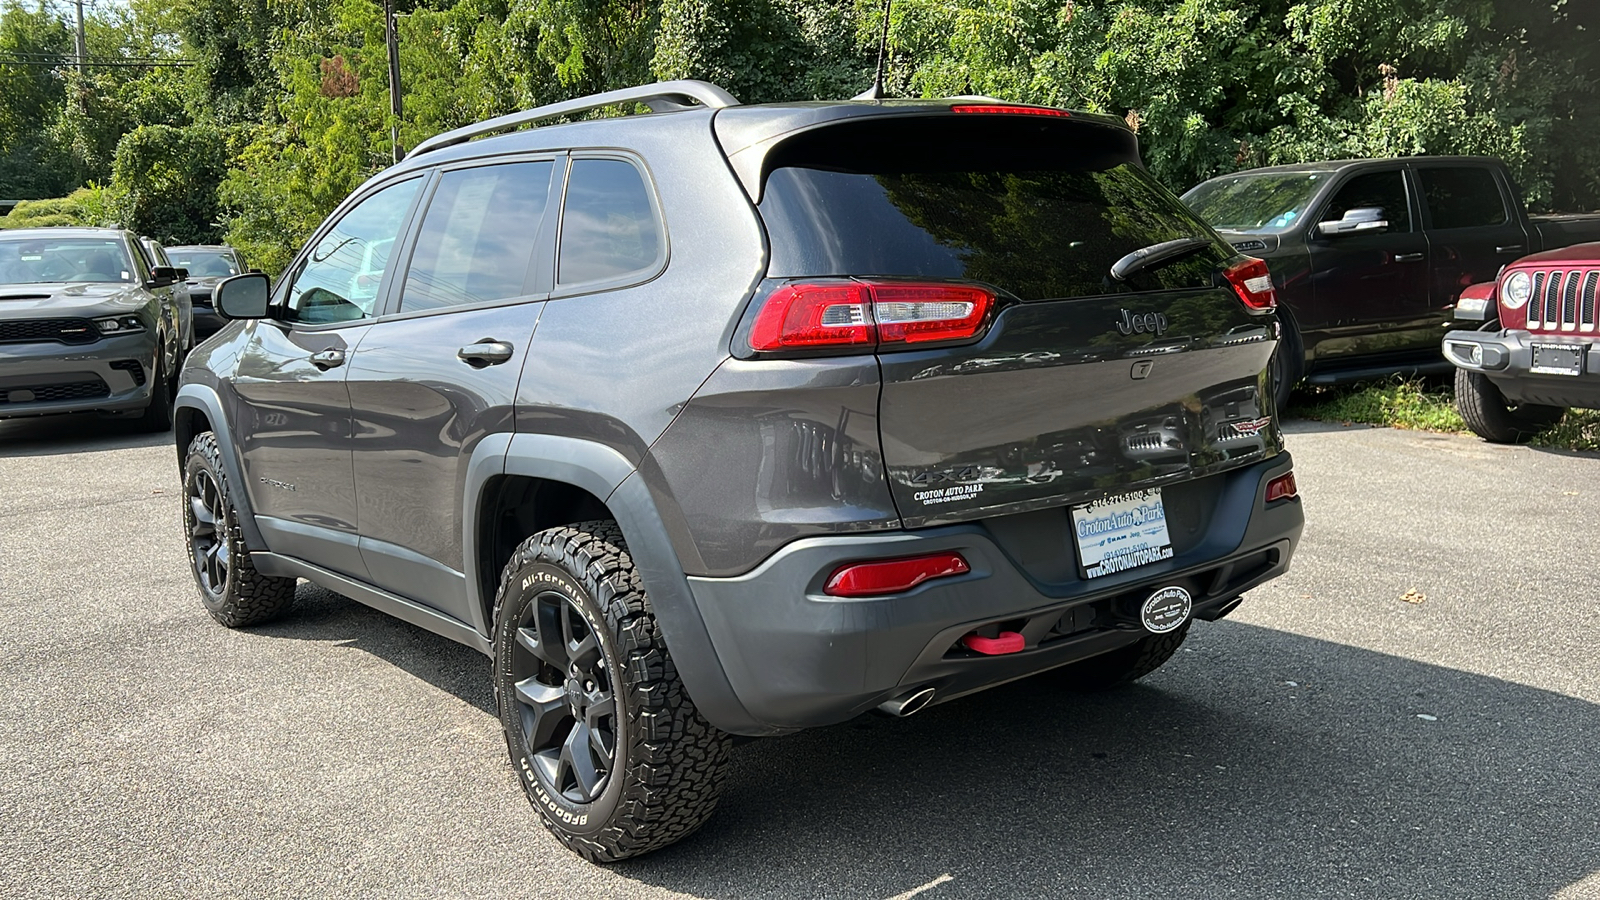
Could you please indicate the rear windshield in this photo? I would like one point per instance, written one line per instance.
(1044, 223)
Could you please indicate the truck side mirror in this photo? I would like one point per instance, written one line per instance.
(162, 276)
(243, 296)
(1356, 221)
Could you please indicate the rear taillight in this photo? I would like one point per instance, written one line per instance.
(850, 314)
(1282, 488)
(1252, 281)
(892, 576)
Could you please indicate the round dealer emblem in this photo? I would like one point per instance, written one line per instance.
(1166, 609)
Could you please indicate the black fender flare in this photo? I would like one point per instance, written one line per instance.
(608, 475)
(205, 400)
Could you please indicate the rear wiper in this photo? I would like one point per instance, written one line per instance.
(1156, 254)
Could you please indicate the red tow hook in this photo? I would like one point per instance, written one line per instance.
(1006, 642)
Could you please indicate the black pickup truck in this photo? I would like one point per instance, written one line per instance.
(1369, 256)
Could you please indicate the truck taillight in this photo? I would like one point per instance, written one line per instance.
(860, 315)
(1252, 281)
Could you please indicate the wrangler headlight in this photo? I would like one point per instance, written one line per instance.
(1515, 290)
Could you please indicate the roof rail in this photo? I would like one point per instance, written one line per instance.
(663, 96)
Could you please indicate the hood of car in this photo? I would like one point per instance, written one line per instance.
(27, 301)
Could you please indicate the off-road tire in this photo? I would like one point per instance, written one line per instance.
(1126, 664)
(158, 415)
(1492, 417)
(241, 596)
(668, 763)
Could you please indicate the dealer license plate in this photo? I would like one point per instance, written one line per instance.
(1121, 532)
(1557, 359)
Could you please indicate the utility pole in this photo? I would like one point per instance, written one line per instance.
(82, 45)
(392, 38)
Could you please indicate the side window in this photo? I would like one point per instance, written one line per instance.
(338, 280)
(1385, 190)
(478, 237)
(1462, 197)
(608, 226)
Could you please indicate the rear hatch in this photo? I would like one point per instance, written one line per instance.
(1076, 385)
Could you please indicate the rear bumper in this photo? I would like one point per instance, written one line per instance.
(207, 321)
(796, 658)
(1506, 357)
(110, 375)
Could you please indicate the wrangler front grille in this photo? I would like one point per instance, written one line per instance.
(34, 331)
(1564, 300)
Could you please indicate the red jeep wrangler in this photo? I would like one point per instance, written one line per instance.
(1536, 349)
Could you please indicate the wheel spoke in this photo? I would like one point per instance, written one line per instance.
(204, 522)
(603, 741)
(585, 654)
(547, 708)
(577, 756)
(550, 633)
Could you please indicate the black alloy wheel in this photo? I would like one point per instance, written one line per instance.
(208, 545)
(565, 697)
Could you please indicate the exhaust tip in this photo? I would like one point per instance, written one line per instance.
(907, 704)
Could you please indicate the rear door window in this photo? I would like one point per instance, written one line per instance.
(479, 236)
(609, 228)
(1043, 214)
(1462, 197)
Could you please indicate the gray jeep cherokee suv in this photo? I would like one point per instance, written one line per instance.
(86, 325)
(737, 420)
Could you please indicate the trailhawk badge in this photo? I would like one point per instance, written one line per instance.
(1166, 609)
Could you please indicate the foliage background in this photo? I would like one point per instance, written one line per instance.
(285, 108)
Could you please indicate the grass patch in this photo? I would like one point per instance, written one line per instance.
(1395, 403)
(1426, 405)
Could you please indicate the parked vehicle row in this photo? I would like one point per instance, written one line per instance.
(1370, 256)
(97, 320)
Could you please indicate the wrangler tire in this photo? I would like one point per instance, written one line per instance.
(609, 748)
(1495, 419)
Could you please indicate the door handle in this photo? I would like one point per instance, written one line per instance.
(1407, 257)
(1509, 248)
(487, 352)
(328, 359)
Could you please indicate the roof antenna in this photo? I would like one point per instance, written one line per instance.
(876, 92)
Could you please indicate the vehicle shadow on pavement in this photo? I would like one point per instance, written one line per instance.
(1215, 778)
(1258, 763)
(81, 433)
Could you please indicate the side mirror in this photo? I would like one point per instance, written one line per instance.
(163, 276)
(1356, 221)
(243, 296)
(253, 271)
(183, 274)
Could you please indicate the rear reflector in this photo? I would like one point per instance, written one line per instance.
(892, 576)
(1252, 281)
(1282, 488)
(850, 314)
(1010, 110)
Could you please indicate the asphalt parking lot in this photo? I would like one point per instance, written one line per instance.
(1330, 739)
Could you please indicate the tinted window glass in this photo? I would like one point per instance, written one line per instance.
(1462, 197)
(478, 237)
(1384, 190)
(205, 263)
(608, 228)
(1037, 232)
(338, 280)
(32, 260)
(1255, 202)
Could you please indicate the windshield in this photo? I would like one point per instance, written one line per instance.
(34, 260)
(1255, 202)
(205, 263)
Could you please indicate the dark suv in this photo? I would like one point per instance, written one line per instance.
(746, 419)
